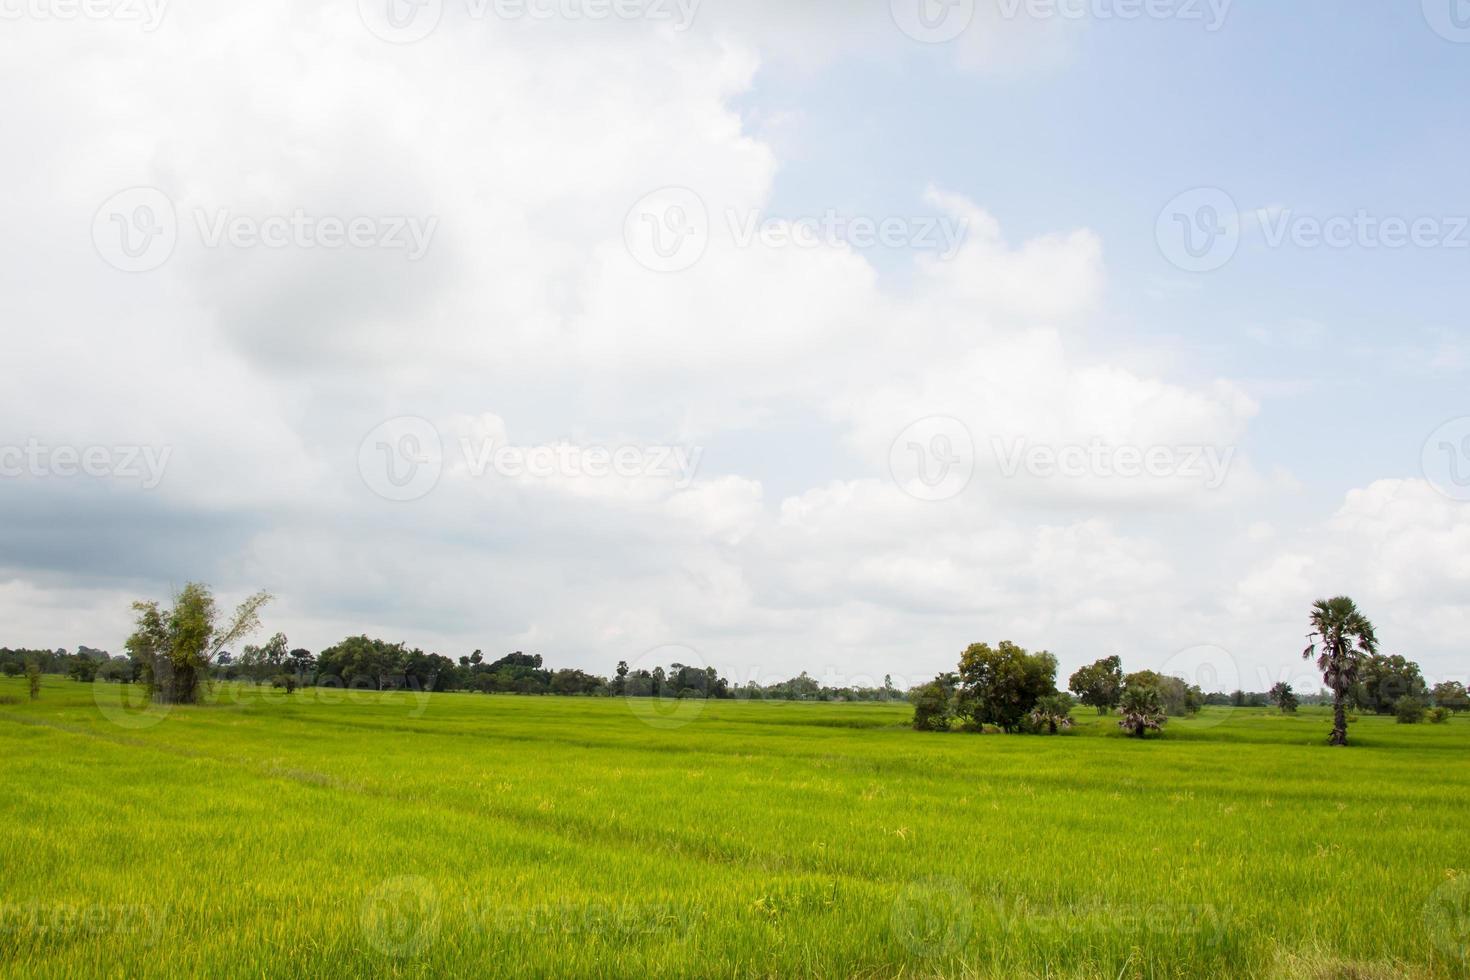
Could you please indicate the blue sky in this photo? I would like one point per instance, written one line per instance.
(1306, 106)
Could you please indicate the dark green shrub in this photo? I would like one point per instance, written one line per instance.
(934, 706)
(1409, 710)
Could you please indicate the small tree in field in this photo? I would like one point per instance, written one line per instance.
(934, 704)
(33, 679)
(1284, 698)
(175, 647)
(1099, 685)
(1143, 711)
(1409, 710)
(1347, 639)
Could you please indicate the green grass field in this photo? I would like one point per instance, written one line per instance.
(394, 835)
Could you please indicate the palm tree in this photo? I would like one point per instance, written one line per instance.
(1346, 637)
(1142, 709)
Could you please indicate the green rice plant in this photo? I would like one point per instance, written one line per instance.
(336, 833)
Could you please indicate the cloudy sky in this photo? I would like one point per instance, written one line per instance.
(829, 336)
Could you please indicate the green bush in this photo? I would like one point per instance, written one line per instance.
(1409, 710)
(934, 706)
(1439, 716)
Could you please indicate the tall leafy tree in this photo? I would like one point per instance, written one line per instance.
(176, 646)
(1000, 685)
(1100, 684)
(1341, 639)
(1451, 695)
(1382, 681)
(361, 661)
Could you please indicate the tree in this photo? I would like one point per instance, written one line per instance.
(1345, 637)
(303, 664)
(1382, 681)
(1284, 698)
(82, 669)
(1000, 685)
(116, 670)
(1143, 710)
(934, 704)
(176, 646)
(1052, 713)
(1451, 695)
(1178, 698)
(275, 651)
(33, 679)
(1100, 684)
(1409, 710)
(361, 660)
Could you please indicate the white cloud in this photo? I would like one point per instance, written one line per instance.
(528, 322)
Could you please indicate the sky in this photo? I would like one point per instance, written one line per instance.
(830, 337)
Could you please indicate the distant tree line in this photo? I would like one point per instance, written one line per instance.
(367, 663)
(1007, 689)
(86, 664)
(176, 651)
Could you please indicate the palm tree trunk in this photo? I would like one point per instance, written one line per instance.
(1339, 720)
